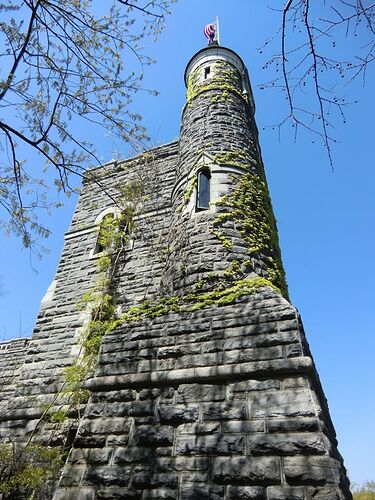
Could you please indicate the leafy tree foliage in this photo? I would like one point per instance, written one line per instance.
(65, 65)
(28, 472)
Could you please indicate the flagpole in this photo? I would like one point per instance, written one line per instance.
(217, 30)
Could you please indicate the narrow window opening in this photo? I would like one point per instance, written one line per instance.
(203, 191)
(207, 71)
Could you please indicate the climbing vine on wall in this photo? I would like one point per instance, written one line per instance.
(224, 78)
(249, 207)
(113, 238)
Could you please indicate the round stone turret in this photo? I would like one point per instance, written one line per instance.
(223, 226)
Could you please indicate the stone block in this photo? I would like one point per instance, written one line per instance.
(160, 494)
(200, 392)
(114, 492)
(224, 411)
(116, 425)
(173, 414)
(210, 445)
(246, 355)
(182, 464)
(285, 492)
(149, 481)
(311, 470)
(134, 454)
(246, 493)
(110, 475)
(243, 426)
(90, 455)
(324, 493)
(293, 350)
(150, 435)
(71, 476)
(207, 359)
(301, 424)
(287, 444)
(246, 470)
(208, 428)
(294, 382)
(117, 440)
(191, 491)
(75, 493)
(253, 385)
(283, 403)
(132, 409)
(90, 441)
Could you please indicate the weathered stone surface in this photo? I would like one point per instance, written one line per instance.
(134, 454)
(246, 470)
(160, 494)
(74, 493)
(325, 493)
(149, 435)
(246, 493)
(213, 444)
(191, 491)
(243, 426)
(311, 470)
(287, 444)
(117, 492)
(286, 492)
(108, 475)
(178, 413)
(200, 392)
(218, 403)
(148, 481)
(292, 424)
(224, 411)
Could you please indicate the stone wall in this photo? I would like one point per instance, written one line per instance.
(12, 354)
(217, 399)
(55, 341)
(223, 403)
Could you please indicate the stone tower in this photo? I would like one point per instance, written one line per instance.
(204, 386)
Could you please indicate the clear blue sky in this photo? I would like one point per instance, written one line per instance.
(325, 219)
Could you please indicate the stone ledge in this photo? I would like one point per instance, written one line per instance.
(214, 374)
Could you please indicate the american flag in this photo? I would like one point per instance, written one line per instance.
(209, 31)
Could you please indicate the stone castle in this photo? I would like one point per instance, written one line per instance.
(204, 386)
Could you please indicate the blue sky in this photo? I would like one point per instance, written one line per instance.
(325, 219)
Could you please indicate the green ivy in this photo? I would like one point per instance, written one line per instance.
(225, 79)
(249, 207)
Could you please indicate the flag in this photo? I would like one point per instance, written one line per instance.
(210, 31)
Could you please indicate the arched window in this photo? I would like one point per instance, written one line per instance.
(203, 189)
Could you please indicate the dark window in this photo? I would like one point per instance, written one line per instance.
(207, 71)
(203, 191)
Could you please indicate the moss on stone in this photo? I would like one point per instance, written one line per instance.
(195, 300)
(225, 80)
(249, 207)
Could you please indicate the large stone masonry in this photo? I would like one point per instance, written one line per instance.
(34, 376)
(214, 394)
(223, 403)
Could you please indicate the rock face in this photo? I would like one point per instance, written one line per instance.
(204, 386)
